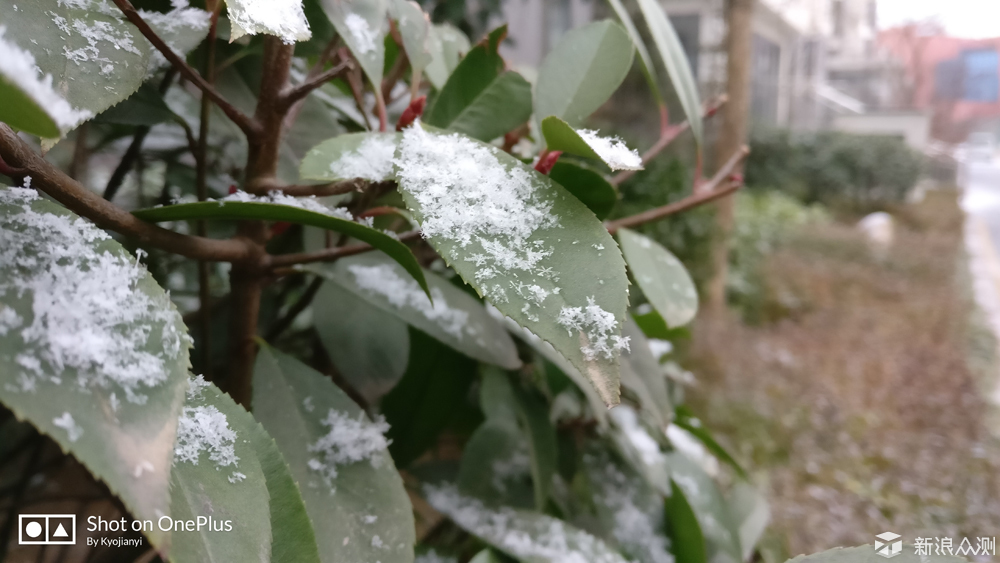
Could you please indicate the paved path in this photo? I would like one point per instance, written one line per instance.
(980, 183)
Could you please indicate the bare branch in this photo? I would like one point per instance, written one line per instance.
(249, 126)
(281, 263)
(669, 135)
(707, 192)
(300, 91)
(319, 190)
(107, 215)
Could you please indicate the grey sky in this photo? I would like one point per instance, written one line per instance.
(962, 18)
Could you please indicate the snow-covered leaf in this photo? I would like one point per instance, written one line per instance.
(597, 406)
(582, 72)
(92, 352)
(527, 536)
(362, 25)
(453, 317)
(352, 491)
(415, 28)
(641, 373)
(661, 276)
(30, 103)
(95, 58)
(278, 207)
(182, 29)
(215, 464)
(531, 248)
(284, 19)
(675, 59)
(628, 509)
(559, 136)
(686, 421)
(447, 47)
(709, 506)
(481, 98)
(353, 155)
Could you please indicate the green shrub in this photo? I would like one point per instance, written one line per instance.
(854, 172)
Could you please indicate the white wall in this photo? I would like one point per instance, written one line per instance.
(914, 127)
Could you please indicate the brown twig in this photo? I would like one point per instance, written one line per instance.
(709, 191)
(201, 188)
(300, 91)
(247, 124)
(282, 324)
(669, 135)
(319, 190)
(107, 215)
(281, 263)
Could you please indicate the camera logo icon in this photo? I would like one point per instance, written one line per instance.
(889, 546)
(46, 529)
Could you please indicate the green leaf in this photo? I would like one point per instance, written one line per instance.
(293, 539)
(23, 110)
(583, 71)
(352, 491)
(527, 536)
(519, 239)
(559, 136)
(215, 465)
(369, 346)
(447, 47)
(496, 466)
(708, 505)
(453, 317)
(686, 538)
(751, 514)
(266, 211)
(415, 28)
(676, 62)
(588, 185)
(353, 155)
(661, 276)
(486, 556)
(597, 406)
(361, 24)
(144, 108)
(525, 416)
(645, 61)
(423, 403)
(481, 98)
(285, 19)
(642, 374)
(533, 412)
(868, 554)
(693, 426)
(105, 378)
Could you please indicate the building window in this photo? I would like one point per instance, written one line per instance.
(688, 28)
(981, 81)
(765, 78)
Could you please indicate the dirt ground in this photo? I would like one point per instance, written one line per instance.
(858, 401)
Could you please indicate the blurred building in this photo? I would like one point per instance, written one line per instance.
(956, 80)
(816, 64)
